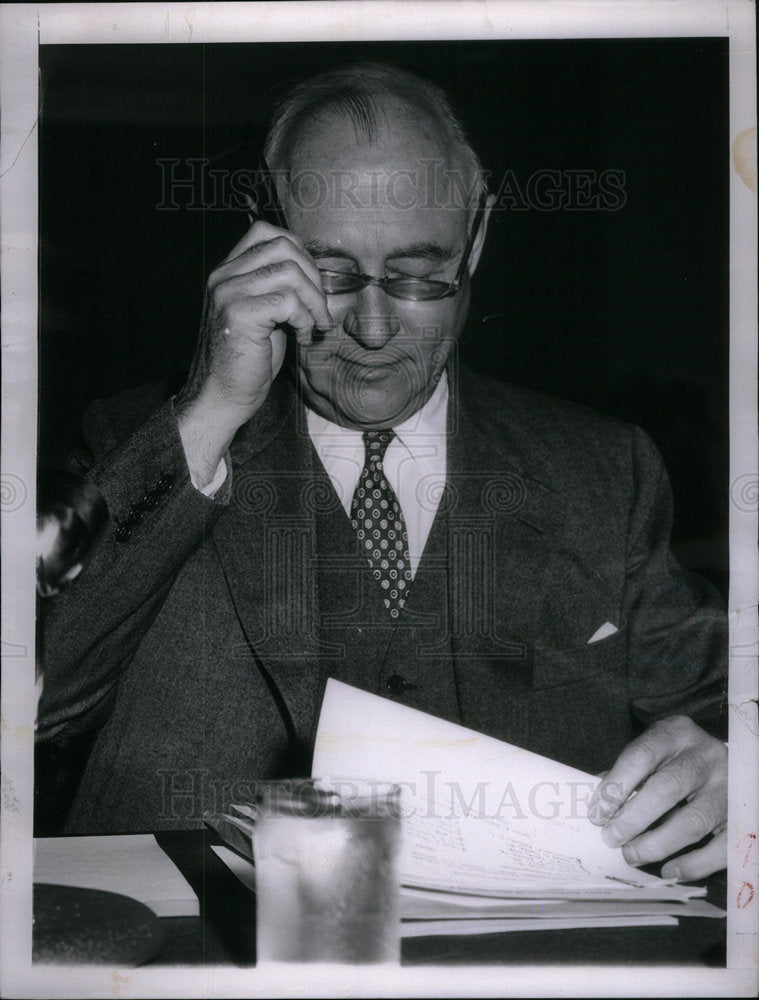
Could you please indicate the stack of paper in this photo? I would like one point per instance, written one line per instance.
(492, 831)
(495, 838)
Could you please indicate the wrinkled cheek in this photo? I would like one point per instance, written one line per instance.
(437, 340)
(439, 324)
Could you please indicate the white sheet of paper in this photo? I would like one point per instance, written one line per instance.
(438, 928)
(133, 865)
(423, 905)
(244, 870)
(481, 816)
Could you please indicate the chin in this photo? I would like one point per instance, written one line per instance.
(378, 410)
(360, 404)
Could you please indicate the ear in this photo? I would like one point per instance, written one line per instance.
(479, 241)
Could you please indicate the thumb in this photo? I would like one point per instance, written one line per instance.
(278, 348)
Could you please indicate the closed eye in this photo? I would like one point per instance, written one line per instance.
(426, 260)
(341, 266)
(422, 271)
(330, 258)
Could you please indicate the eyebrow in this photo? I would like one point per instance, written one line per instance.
(318, 249)
(425, 249)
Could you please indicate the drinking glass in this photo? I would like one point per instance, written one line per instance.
(326, 856)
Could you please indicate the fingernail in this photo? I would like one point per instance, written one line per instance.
(631, 856)
(671, 872)
(595, 814)
(611, 837)
(599, 809)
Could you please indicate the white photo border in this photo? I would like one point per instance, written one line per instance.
(24, 27)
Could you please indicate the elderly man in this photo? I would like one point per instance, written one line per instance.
(377, 514)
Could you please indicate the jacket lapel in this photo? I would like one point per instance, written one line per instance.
(504, 524)
(266, 543)
(504, 495)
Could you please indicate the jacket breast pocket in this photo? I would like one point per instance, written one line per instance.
(579, 704)
(553, 667)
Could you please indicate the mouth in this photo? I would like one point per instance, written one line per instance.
(363, 364)
(374, 370)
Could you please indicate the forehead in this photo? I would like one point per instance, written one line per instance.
(403, 184)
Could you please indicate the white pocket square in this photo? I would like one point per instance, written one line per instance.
(603, 632)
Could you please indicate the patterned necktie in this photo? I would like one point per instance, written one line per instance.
(377, 519)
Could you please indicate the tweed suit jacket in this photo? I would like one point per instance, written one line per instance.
(196, 643)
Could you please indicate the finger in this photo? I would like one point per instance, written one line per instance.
(699, 863)
(264, 253)
(284, 277)
(267, 266)
(686, 826)
(278, 350)
(637, 761)
(673, 782)
(256, 317)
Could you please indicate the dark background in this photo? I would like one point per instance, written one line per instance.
(624, 310)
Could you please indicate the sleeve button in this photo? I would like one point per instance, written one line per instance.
(123, 532)
(149, 501)
(165, 484)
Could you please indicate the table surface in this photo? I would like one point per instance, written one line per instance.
(225, 931)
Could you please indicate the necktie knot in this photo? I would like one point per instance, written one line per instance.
(376, 444)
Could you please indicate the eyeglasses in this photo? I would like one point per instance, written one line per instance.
(410, 289)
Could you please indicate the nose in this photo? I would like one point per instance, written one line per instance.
(370, 319)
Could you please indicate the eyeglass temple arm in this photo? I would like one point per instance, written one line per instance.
(476, 223)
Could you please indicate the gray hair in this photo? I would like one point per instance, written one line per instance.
(358, 91)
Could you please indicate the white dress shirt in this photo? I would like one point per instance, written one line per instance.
(414, 463)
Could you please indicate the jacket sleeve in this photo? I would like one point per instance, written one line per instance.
(156, 518)
(677, 627)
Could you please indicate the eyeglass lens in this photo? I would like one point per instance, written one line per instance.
(341, 282)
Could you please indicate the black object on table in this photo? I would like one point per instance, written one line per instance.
(74, 926)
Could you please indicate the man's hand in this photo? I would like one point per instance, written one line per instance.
(673, 769)
(266, 282)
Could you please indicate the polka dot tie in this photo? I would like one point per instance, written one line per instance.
(377, 519)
